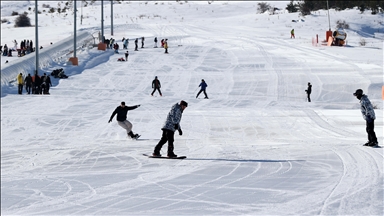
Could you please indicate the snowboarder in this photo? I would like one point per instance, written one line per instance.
(369, 117)
(203, 86)
(293, 33)
(126, 56)
(20, 82)
(121, 118)
(170, 126)
(309, 90)
(156, 86)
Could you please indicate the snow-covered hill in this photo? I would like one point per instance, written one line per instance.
(256, 147)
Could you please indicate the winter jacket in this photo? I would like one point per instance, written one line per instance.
(173, 119)
(367, 108)
(203, 85)
(122, 112)
(309, 89)
(28, 80)
(20, 79)
(156, 83)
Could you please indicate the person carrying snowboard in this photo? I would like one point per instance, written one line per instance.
(170, 126)
(203, 86)
(309, 91)
(121, 118)
(156, 86)
(369, 117)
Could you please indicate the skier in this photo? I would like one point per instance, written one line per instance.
(126, 56)
(203, 86)
(155, 42)
(156, 86)
(293, 33)
(121, 118)
(142, 42)
(20, 82)
(170, 126)
(369, 117)
(309, 90)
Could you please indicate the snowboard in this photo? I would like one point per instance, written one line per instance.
(163, 157)
(375, 146)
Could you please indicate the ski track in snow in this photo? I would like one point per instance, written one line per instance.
(77, 164)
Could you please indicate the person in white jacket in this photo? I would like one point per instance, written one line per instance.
(170, 126)
(369, 116)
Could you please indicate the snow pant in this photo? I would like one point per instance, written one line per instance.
(158, 89)
(371, 131)
(202, 90)
(28, 88)
(20, 88)
(309, 97)
(136, 47)
(155, 45)
(166, 50)
(142, 44)
(126, 125)
(167, 136)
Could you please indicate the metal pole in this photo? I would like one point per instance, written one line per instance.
(74, 30)
(36, 41)
(102, 21)
(112, 17)
(329, 20)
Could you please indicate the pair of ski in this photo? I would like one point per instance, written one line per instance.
(162, 157)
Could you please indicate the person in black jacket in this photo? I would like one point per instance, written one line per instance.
(121, 118)
(309, 90)
(156, 86)
(28, 83)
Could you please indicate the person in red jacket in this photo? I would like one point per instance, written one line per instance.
(121, 118)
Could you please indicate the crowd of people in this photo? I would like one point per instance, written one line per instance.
(34, 84)
(26, 47)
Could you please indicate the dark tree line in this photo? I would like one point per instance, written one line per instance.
(307, 6)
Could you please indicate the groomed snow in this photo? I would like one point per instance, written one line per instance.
(256, 147)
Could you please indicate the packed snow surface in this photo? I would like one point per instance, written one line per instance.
(255, 147)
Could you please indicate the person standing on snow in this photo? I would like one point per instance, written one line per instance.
(142, 42)
(156, 86)
(166, 46)
(126, 56)
(203, 86)
(20, 83)
(136, 44)
(293, 33)
(28, 83)
(369, 117)
(170, 126)
(121, 118)
(155, 42)
(309, 90)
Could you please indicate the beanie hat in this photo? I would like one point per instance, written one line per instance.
(183, 103)
(358, 92)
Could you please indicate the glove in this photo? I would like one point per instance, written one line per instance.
(176, 126)
(138, 105)
(180, 132)
(110, 120)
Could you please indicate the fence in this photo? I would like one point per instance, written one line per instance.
(54, 53)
